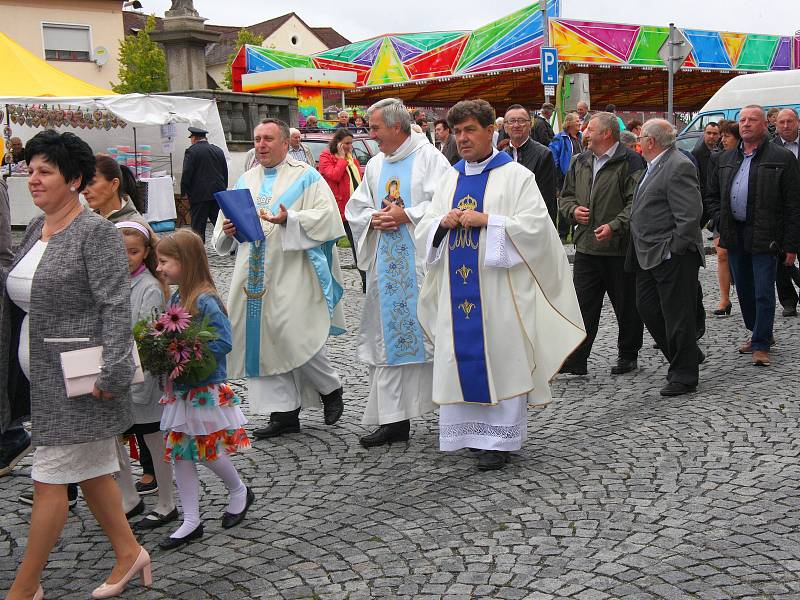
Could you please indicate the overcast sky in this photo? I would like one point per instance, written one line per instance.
(355, 21)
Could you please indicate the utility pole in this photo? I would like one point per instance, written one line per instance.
(671, 74)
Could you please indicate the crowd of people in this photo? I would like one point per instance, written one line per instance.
(470, 305)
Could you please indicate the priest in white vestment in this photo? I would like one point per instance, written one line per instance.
(285, 292)
(397, 187)
(498, 300)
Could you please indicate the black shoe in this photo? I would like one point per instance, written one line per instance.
(276, 428)
(386, 434)
(136, 510)
(492, 460)
(72, 496)
(723, 312)
(701, 357)
(153, 520)
(11, 457)
(230, 520)
(624, 365)
(789, 311)
(675, 388)
(171, 543)
(333, 406)
(145, 489)
(567, 368)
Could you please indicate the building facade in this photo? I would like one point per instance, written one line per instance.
(79, 37)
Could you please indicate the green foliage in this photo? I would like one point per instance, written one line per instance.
(142, 63)
(242, 38)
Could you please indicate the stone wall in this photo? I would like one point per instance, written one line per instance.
(240, 112)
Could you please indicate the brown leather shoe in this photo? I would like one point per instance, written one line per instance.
(761, 358)
(746, 348)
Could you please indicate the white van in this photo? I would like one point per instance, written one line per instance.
(780, 89)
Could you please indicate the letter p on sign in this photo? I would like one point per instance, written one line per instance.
(548, 58)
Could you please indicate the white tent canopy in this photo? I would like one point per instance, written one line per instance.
(143, 112)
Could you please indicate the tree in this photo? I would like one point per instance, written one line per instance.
(142, 63)
(242, 38)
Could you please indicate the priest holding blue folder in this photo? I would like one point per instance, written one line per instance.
(498, 300)
(285, 295)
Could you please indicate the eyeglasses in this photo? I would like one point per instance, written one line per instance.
(517, 121)
(642, 137)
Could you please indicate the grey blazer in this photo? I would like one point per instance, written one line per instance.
(80, 298)
(667, 210)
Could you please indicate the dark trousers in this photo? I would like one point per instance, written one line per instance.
(349, 233)
(594, 276)
(145, 458)
(666, 297)
(201, 213)
(755, 288)
(700, 312)
(13, 438)
(785, 280)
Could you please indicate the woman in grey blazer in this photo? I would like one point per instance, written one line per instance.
(68, 289)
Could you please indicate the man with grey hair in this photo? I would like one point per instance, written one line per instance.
(787, 277)
(298, 150)
(753, 199)
(343, 120)
(285, 289)
(383, 212)
(666, 252)
(597, 196)
(543, 125)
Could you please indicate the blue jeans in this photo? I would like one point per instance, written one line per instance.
(755, 287)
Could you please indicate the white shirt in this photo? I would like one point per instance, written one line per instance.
(599, 161)
(793, 147)
(652, 164)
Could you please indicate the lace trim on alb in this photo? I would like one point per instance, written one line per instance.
(459, 430)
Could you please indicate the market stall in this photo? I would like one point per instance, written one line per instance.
(145, 132)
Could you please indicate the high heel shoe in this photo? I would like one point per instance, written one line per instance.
(39, 595)
(723, 312)
(141, 567)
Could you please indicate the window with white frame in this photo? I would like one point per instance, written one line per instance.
(66, 42)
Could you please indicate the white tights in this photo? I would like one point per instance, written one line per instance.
(189, 490)
(163, 474)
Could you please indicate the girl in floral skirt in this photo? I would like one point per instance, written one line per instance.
(203, 422)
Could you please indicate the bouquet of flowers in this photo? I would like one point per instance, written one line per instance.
(174, 346)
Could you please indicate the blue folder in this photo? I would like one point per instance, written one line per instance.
(238, 207)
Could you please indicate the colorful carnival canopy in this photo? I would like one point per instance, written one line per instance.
(500, 61)
(25, 74)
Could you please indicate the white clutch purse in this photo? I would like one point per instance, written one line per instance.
(82, 367)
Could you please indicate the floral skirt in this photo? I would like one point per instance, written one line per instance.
(202, 422)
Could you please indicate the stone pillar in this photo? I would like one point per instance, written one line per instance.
(184, 39)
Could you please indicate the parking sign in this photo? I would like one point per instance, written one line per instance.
(548, 58)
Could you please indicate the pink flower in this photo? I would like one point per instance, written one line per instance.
(158, 328)
(177, 371)
(179, 351)
(198, 350)
(176, 318)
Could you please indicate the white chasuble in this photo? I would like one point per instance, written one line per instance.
(529, 310)
(285, 294)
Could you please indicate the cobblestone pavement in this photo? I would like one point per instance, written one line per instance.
(618, 493)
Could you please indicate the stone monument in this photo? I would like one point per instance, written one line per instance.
(184, 38)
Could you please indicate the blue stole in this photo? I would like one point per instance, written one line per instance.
(465, 285)
(321, 258)
(396, 271)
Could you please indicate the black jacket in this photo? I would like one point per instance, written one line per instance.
(702, 155)
(542, 131)
(205, 171)
(773, 200)
(539, 160)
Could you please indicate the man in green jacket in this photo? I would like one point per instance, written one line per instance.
(597, 197)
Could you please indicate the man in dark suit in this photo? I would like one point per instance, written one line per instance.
(666, 252)
(786, 277)
(532, 155)
(205, 171)
(446, 141)
(703, 150)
